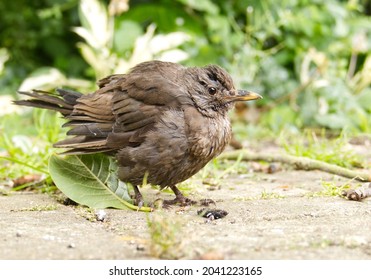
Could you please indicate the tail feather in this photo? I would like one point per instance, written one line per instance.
(43, 105)
(81, 142)
(89, 127)
(62, 103)
(83, 145)
(93, 129)
(69, 96)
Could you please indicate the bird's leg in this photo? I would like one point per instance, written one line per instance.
(138, 198)
(179, 198)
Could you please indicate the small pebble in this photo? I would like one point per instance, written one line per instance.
(272, 168)
(49, 237)
(71, 246)
(140, 247)
(101, 215)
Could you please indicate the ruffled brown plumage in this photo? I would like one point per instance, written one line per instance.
(160, 120)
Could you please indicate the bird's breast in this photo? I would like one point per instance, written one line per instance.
(207, 137)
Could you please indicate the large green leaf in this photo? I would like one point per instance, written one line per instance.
(91, 180)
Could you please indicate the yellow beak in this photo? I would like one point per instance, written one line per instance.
(244, 95)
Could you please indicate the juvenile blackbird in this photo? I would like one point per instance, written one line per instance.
(161, 119)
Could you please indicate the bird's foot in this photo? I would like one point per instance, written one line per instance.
(138, 198)
(182, 201)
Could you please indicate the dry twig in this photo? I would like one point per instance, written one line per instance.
(358, 194)
(299, 163)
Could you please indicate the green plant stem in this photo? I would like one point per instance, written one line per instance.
(25, 164)
(299, 163)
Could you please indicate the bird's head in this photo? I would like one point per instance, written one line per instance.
(213, 92)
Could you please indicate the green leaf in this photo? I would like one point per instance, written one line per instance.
(91, 180)
(364, 99)
(333, 121)
(126, 32)
(204, 6)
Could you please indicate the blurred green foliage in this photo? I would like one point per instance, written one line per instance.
(310, 59)
(36, 34)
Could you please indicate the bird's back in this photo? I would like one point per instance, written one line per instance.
(122, 110)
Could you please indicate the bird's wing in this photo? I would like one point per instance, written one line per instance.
(119, 113)
(90, 123)
(138, 106)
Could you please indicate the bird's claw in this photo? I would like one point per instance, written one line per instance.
(181, 201)
(206, 202)
(138, 200)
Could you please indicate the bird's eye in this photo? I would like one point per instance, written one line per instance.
(212, 90)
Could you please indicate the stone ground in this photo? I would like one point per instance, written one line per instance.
(281, 221)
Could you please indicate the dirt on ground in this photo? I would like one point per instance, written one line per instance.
(270, 216)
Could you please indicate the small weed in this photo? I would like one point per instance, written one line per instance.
(186, 187)
(247, 198)
(324, 243)
(165, 236)
(330, 189)
(22, 155)
(87, 213)
(4, 192)
(39, 208)
(217, 169)
(264, 195)
(270, 195)
(44, 185)
(334, 151)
